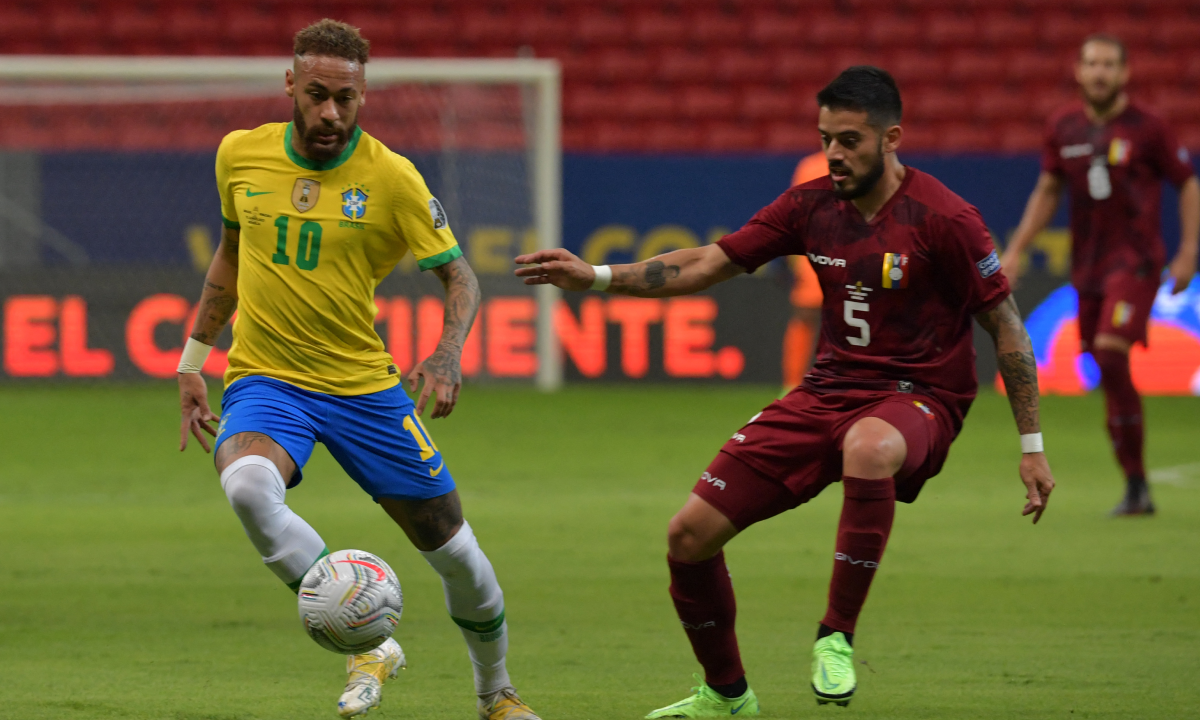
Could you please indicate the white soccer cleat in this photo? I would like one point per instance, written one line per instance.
(364, 689)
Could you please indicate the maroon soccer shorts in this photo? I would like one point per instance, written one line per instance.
(791, 451)
(1121, 309)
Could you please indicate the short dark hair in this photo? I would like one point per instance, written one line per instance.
(1107, 39)
(864, 88)
(331, 38)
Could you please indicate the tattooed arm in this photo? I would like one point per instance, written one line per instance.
(1014, 353)
(681, 272)
(442, 370)
(218, 300)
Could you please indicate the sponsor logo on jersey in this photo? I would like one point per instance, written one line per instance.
(354, 203)
(305, 193)
(437, 213)
(826, 260)
(1119, 151)
(895, 271)
(1122, 314)
(716, 482)
(701, 626)
(1076, 151)
(739, 437)
(756, 416)
(989, 265)
(846, 558)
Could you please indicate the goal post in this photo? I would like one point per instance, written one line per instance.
(439, 106)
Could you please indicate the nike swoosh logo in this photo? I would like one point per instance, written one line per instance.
(825, 677)
(251, 193)
(739, 707)
(434, 473)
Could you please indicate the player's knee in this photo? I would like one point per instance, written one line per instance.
(253, 485)
(873, 447)
(686, 543)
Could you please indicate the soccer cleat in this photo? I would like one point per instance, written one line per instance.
(367, 673)
(708, 703)
(833, 678)
(505, 704)
(1136, 501)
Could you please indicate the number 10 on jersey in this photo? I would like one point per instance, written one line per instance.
(308, 252)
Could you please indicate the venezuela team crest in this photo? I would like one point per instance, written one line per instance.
(354, 202)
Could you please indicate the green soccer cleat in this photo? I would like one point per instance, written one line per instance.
(708, 703)
(833, 678)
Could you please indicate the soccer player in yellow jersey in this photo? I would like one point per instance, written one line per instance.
(316, 213)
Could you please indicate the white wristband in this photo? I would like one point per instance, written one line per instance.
(1032, 443)
(603, 277)
(193, 357)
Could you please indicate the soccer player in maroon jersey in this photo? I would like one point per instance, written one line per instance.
(1112, 156)
(904, 264)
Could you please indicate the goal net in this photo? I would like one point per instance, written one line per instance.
(109, 212)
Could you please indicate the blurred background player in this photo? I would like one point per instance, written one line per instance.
(316, 212)
(909, 264)
(801, 336)
(1112, 157)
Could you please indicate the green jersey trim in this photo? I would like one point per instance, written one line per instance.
(231, 224)
(440, 259)
(318, 164)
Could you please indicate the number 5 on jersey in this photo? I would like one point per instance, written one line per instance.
(308, 252)
(864, 330)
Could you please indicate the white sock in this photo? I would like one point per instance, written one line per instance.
(476, 604)
(256, 490)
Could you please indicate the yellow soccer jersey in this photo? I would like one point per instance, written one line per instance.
(316, 238)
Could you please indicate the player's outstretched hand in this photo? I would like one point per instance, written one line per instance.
(196, 415)
(1010, 265)
(556, 267)
(1039, 483)
(442, 372)
(1181, 270)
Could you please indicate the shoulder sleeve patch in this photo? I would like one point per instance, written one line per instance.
(437, 214)
(989, 265)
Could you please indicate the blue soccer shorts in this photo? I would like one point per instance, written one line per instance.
(377, 438)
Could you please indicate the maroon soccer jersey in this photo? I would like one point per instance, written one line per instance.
(1114, 173)
(900, 291)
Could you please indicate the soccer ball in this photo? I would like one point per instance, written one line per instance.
(350, 602)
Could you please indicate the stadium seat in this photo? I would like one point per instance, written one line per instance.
(1177, 106)
(134, 22)
(644, 102)
(1135, 30)
(1178, 32)
(1022, 136)
(658, 28)
(978, 67)
(737, 66)
(773, 28)
(544, 27)
(894, 30)
(1149, 69)
(252, 23)
(618, 136)
(671, 136)
(187, 22)
(936, 104)
(624, 65)
(713, 27)
(731, 137)
(769, 103)
(422, 26)
(597, 27)
(916, 68)
(946, 30)
(73, 21)
(920, 136)
(483, 26)
(964, 137)
(19, 21)
(835, 30)
(790, 137)
(678, 65)
(585, 102)
(1040, 67)
(707, 103)
(1004, 29)
(1002, 105)
(1060, 29)
(799, 65)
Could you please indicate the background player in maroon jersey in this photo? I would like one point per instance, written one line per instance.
(903, 264)
(1112, 155)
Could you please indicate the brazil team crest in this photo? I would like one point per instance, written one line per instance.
(354, 203)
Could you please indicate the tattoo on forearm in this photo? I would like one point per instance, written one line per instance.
(215, 311)
(657, 273)
(462, 304)
(1018, 366)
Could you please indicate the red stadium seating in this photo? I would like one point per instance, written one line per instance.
(713, 75)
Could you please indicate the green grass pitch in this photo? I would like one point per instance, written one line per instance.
(128, 590)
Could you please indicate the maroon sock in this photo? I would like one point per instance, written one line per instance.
(1123, 408)
(703, 595)
(867, 512)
